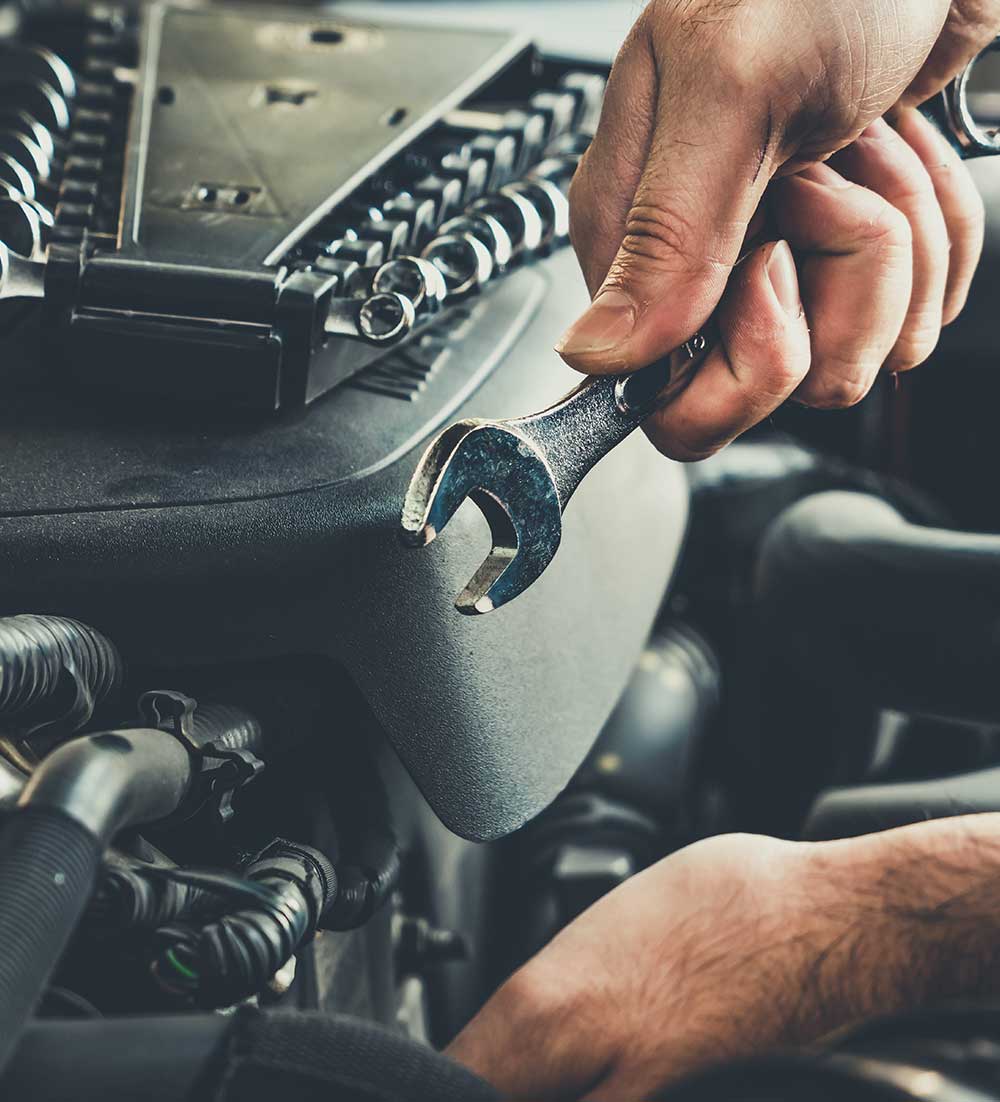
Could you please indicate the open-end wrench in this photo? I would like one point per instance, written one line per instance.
(523, 472)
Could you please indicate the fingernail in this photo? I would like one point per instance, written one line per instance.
(825, 175)
(780, 267)
(609, 321)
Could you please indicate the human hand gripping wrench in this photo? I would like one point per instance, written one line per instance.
(523, 472)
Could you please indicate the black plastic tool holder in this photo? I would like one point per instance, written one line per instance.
(203, 144)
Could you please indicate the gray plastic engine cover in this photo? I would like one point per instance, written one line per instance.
(196, 542)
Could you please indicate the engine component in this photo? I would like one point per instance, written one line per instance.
(53, 673)
(86, 791)
(908, 611)
(860, 609)
(212, 938)
(867, 808)
(51, 847)
(945, 1055)
(247, 1057)
(368, 866)
(279, 902)
(203, 521)
(420, 946)
(637, 796)
(652, 750)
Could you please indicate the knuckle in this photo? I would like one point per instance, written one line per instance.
(675, 445)
(652, 233)
(661, 240)
(766, 383)
(838, 388)
(888, 230)
(773, 358)
(782, 378)
(915, 189)
(916, 345)
(716, 25)
(973, 22)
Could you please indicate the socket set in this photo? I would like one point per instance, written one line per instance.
(252, 206)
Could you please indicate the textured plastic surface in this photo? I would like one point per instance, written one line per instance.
(190, 541)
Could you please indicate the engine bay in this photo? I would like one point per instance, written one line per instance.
(320, 795)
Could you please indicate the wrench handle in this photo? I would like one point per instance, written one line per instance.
(578, 431)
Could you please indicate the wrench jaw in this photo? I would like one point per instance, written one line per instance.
(437, 487)
(482, 592)
(513, 564)
(513, 487)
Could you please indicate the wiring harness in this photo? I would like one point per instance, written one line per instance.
(217, 938)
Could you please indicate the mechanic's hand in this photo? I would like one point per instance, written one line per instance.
(738, 945)
(709, 102)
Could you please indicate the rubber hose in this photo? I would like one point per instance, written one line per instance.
(234, 956)
(369, 866)
(52, 844)
(53, 669)
(127, 899)
(48, 862)
(228, 727)
(898, 614)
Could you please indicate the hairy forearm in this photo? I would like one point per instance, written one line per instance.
(920, 917)
(740, 945)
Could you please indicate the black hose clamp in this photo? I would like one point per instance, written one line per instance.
(222, 772)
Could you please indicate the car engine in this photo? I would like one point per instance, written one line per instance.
(268, 802)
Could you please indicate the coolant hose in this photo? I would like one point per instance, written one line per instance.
(52, 844)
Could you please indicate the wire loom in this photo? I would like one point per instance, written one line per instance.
(230, 957)
(53, 673)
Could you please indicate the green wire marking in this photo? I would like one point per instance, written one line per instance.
(179, 966)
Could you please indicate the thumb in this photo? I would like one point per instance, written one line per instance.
(677, 235)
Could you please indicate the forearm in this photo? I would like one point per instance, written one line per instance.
(920, 917)
(740, 945)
